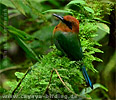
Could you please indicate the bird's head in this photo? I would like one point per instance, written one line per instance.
(67, 24)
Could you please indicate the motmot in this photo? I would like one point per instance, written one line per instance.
(66, 39)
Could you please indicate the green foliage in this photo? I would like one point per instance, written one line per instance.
(99, 6)
(3, 18)
(87, 33)
(19, 33)
(58, 11)
(5, 63)
(33, 33)
(19, 37)
(38, 78)
(88, 90)
(26, 48)
(76, 2)
(102, 28)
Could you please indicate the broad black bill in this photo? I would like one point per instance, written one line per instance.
(63, 20)
(59, 17)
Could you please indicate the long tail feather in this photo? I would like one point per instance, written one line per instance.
(87, 79)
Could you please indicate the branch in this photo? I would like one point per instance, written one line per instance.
(19, 90)
(48, 84)
(63, 84)
(10, 68)
(20, 82)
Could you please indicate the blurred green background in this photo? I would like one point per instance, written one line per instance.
(32, 21)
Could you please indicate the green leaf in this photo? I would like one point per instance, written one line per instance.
(55, 3)
(3, 18)
(43, 82)
(26, 48)
(19, 33)
(3, 39)
(58, 11)
(76, 2)
(8, 3)
(89, 90)
(101, 20)
(98, 59)
(102, 31)
(47, 34)
(89, 9)
(19, 5)
(19, 75)
(103, 27)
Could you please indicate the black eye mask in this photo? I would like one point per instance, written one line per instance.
(68, 24)
(64, 21)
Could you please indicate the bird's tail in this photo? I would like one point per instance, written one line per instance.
(88, 81)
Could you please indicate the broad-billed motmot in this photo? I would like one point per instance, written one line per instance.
(67, 40)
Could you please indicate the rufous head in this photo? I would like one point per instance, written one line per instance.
(67, 24)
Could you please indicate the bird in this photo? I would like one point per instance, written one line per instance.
(66, 39)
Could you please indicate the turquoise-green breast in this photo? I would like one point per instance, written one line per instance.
(69, 43)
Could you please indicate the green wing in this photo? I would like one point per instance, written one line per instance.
(69, 43)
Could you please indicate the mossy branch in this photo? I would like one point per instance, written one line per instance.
(63, 84)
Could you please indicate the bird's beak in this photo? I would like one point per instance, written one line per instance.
(59, 17)
(64, 21)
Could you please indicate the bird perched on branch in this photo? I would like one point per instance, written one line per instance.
(67, 40)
